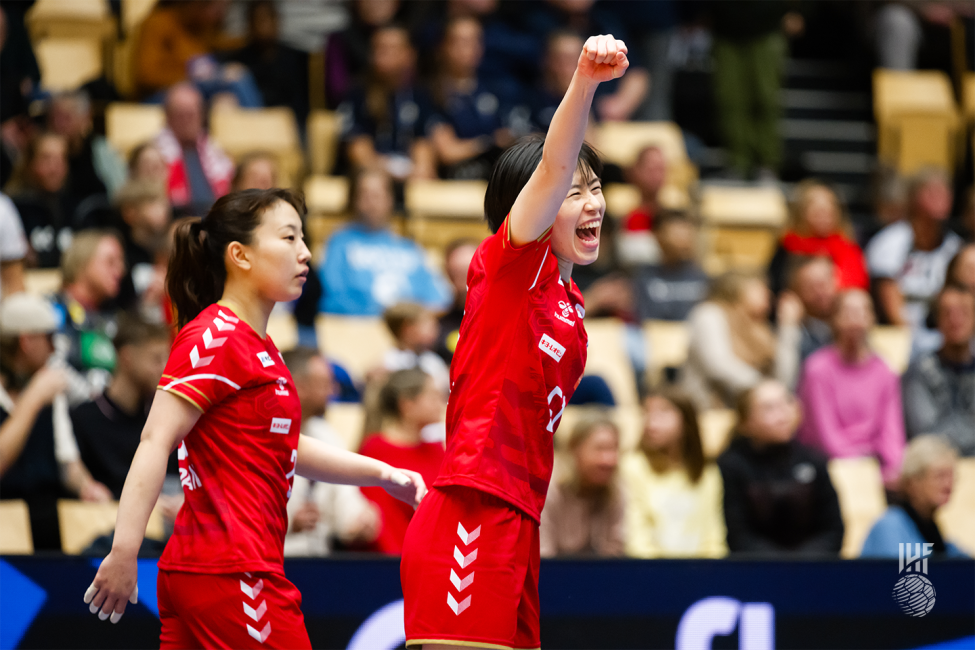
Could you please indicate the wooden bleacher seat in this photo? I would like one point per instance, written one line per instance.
(324, 130)
(717, 428)
(956, 519)
(134, 12)
(441, 211)
(667, 344)
(15, 534)
(916, 117)
(622, 198)
(860, 489)
(272, 130)
(70, 19)
(82, 522)
(740, 226)
(607, 357)
(327, 194)
(968, 97)
(128, 125)
(357, 343)
(42, 282)
(347, 420)
(893, 345)
(621, 143)
(68, 63)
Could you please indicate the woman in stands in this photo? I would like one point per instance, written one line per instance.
(227, 401)
(521, 353)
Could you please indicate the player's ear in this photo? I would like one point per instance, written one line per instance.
(238, 255)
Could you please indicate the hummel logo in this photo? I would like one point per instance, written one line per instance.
(464, 560)
(456, 607)
(466, 537)
(262, 635)
(256, 614)
(459, 585)
(252, 592)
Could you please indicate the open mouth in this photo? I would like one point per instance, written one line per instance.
(589, 232)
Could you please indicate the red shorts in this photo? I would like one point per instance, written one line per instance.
(470, 572)
(229, 610)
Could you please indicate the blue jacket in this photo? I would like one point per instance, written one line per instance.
(366, 271)
(894, 528)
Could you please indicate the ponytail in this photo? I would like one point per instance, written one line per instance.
(197, 272)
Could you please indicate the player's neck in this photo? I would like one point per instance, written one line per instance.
(405, 434)
(565, 270)
(248, 306)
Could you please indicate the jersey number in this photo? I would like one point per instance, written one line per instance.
(558, 396)
(290, 475)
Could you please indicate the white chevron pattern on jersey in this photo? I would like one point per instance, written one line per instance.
(262, 635)
(229, 319)
(196, 360)
(461, 585)
(464, 561)
(211, 342)
(252, 592)
(466, 537)
(256, 614)
(223, 326)
(456, 607)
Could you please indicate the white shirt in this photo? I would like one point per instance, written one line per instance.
(427, 361)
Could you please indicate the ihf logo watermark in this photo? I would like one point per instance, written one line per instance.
(914, 592)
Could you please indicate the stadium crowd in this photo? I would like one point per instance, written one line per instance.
(437, 90)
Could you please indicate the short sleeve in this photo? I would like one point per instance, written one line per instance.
(13, 244)
(520, 265)
(207, 361)
(887, 251)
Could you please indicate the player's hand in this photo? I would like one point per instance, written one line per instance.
(603, 58)
(115, 584)
(405, 485)
(44, 386)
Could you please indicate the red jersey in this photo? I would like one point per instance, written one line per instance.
(519, 358)
(237, 464)
(424, 458)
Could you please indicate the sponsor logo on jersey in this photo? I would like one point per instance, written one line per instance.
(280, 425)
(265, 359)
(282, 388)
(581, 311)
(551, 347)
(566, 313)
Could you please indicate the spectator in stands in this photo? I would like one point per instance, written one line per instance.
(19, 77)
(556, 20)
(108, 428)
(409, 401)
(732, 346)
(778, 497)
(851, 400)
(472, 125)
(670, 289)
(256, 171)
(13, 248)
(92, 272)
(813, 281)
(94, 169)
(889, 201)
(908, 259)
(199, 171)
(39, 460)
(648, 174)
(819, 226)
(145, 216)
(322, 514)
(367, 266)
(584, 512)
(909, 35)
(457, 261)
(146, 163)
(175, 45)
(939, 388)
(961, 269)
(347, 52)
(415, 330)
(674, 496)
(387, 120)
(279, 71)
(749, 58)
(926, 482)
(39, 189)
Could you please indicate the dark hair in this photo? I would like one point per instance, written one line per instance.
(248, 160)
(297, 359)
(355, 182)
(135, 330)
(197, 272)
(692, 450)
(797, 263)
(513, 169)
(402, 384)
(667, 217)
(954, 263)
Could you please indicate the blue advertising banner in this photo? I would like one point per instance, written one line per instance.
(355, 603)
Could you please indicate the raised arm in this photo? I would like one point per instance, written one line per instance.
(603, 58)
(170, 419)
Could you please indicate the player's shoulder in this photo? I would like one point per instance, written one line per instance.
(216, 330)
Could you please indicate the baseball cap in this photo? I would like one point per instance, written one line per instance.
(25, 313)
